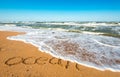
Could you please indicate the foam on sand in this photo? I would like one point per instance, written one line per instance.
(100, 52)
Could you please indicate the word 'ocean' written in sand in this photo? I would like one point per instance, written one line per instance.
(40, 61)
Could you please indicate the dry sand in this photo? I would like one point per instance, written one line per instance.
(18, 59)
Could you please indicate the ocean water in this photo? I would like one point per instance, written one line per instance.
(91, 44)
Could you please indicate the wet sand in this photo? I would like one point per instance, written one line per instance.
(18, 59)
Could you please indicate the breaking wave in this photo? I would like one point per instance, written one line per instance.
(96, 51)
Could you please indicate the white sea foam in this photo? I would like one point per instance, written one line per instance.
(93, 33)
(93, 24)
(100, 52)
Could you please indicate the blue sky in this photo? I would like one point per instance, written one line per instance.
(59, 10)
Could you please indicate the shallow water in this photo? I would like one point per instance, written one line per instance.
(92, 50)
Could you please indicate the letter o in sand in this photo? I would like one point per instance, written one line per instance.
(29, 61)
(14, 61)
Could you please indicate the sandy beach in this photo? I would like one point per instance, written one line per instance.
(19, 59)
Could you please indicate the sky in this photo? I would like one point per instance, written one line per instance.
(59, 10)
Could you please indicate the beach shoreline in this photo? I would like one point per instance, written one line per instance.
(19, 59)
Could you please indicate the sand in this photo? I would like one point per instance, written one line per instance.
(18, 59)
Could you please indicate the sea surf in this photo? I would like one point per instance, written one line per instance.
(91, 44)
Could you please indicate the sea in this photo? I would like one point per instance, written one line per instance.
(92, 44)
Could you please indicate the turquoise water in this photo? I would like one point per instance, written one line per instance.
(106, 28)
